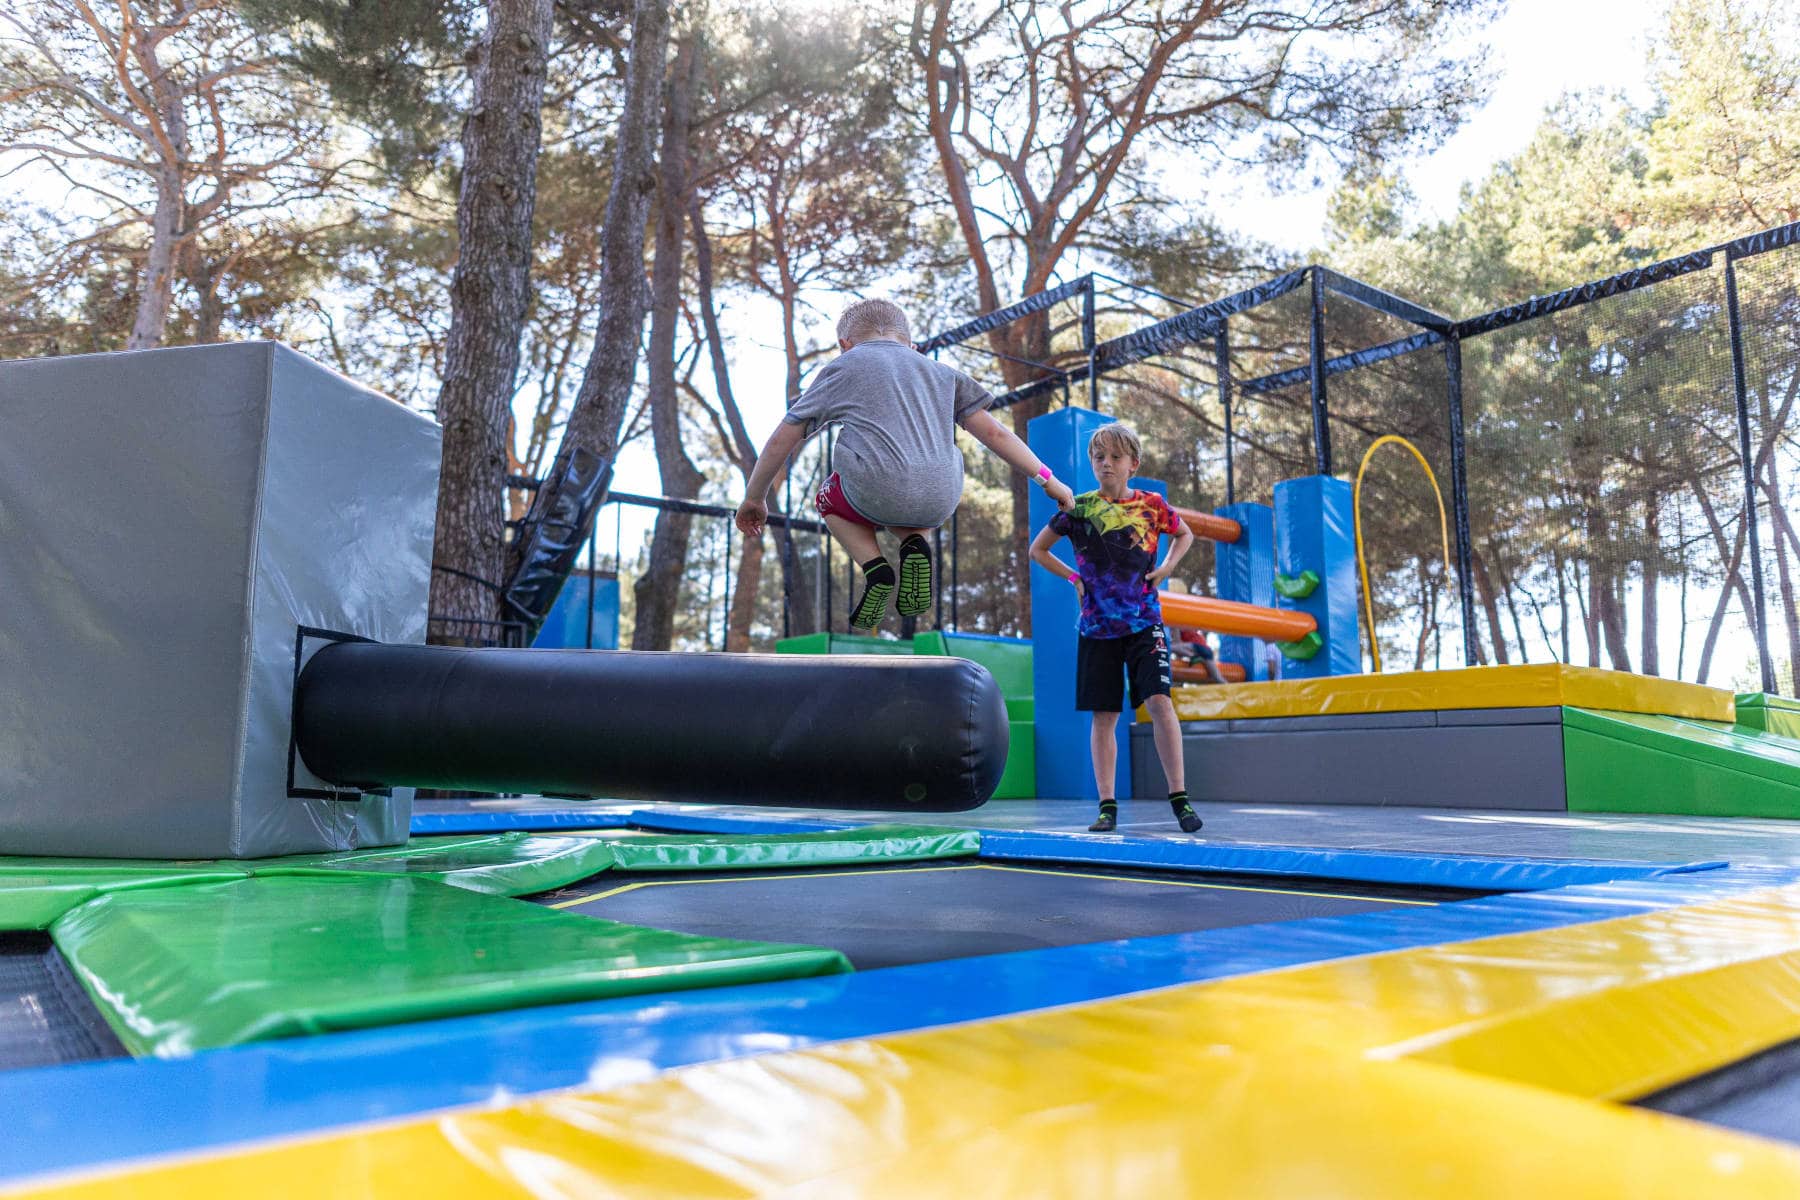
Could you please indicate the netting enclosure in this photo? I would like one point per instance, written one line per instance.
(1616, 461)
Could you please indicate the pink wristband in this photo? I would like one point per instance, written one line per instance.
(1045, 475)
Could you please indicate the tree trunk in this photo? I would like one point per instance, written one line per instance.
(599, 408)
(1490, 604)
(1781, 533)
(488, 296)
(157, 290)
(1647, 654)
(658, 589)
(796, 588)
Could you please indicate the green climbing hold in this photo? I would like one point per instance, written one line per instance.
(1302, 649)
(1297, 587)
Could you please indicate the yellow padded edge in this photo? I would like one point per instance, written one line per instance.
(1474, 687)
(1365, 1077)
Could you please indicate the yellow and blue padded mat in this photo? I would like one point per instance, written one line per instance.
(85, 1117)
(1458, 1065)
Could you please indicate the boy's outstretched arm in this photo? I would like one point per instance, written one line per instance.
(1183, 541)
(1040, 554)
(753, 513)
(1005, 444)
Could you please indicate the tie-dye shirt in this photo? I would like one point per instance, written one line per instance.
(1115, 547)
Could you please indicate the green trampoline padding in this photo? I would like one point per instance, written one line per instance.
(35, 891)
(710, 852)
(1639, 762)
(180, 969)
(499, 864)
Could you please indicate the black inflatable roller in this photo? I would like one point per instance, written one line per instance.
(883, 732)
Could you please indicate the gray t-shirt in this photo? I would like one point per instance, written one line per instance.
(896, 412)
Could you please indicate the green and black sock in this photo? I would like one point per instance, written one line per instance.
(915, 578)
(878, 578)
(1109, 817)
(1184, 812)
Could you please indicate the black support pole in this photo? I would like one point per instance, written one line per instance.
(1459, 498)
(1316, 370)
(1089, 343)
(1222, 366)
(1739, 380)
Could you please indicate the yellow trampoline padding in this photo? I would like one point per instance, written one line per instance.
(1527, 686)
(1467, 1070)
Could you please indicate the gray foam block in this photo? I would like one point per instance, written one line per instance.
(168, 521)
(1500, 765)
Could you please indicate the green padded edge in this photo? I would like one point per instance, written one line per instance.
(1637, 762)
(499, 864)
(1019, 780)
(33, 900)
(175, 970)
(1009, 662)
(728, 852)
(841, 643)
(1772, 714)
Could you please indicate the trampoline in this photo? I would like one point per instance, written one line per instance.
(45, 1017)
(884, 915)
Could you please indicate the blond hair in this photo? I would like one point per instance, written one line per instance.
(1117, 436)
(873, 319)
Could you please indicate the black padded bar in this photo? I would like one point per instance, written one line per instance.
(1001, 316)
(1394, 306)
(871, 732)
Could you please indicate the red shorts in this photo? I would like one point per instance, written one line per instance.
(831, 502)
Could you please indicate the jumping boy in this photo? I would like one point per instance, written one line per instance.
(1116, 530)
(897, 465)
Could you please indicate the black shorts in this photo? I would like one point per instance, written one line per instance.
(1102, 665)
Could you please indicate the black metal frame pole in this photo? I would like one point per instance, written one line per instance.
(593, 577)
(1316, 373)
(1222, 366)
(955, 565)
(937, 578)
(1740, 383)
(1089, 344)
(1459, 498)
(725, 617)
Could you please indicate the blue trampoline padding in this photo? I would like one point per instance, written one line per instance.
(1368, 866)
(675, 822)
(487, 822)
(70, 1117)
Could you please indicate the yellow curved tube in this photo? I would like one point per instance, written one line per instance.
(1362, 564)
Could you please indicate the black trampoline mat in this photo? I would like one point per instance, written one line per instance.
(1759, 1095)
(45, 1017)
(891, 915)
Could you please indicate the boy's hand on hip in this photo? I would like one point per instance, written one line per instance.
(1059, 491)
(1080, 587)
(1158, 575)
(752, 515)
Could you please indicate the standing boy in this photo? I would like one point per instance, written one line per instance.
(897, 461)
(1116, 530)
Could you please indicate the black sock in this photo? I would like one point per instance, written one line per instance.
(878, 570)
(1178, 801)
(1109, 807)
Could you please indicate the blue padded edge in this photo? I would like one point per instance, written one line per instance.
(1369, 866)
(78, 1116)
(673, 822)
(490, 822)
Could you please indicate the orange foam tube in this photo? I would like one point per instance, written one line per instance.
(1230, 617)
(1233, 673)
(1206, 525)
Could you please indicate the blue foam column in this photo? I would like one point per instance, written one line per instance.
(1246, 573)
(1064, 765)
(1315, 531)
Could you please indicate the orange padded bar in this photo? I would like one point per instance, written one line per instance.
(1233, 673)
(1206, 525)
(1239, 620)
